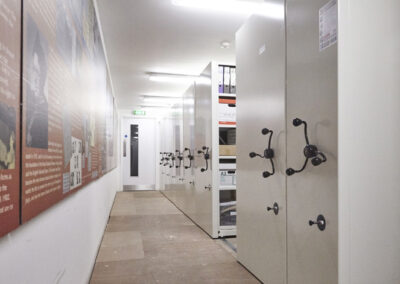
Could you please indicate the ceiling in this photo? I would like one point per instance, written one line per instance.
(143, 36)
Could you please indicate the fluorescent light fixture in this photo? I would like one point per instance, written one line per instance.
(170, 95)
(165, 100)
(154, 106)
(248, 7)
(172, 78)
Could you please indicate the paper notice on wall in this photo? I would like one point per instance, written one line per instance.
(66, 183)
(328, 15)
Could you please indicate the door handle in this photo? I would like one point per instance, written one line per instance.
(275, 208)
(310, 151)
(208, 187)
(172, 160)
(179, 158)
(206, 156)
(166, 162)
(124, 149)
(169, 159)
(268, 153)
(166, 159)
(321, 222)
(189, 156)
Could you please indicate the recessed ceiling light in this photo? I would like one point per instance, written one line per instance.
(225, 44)
(248, 7)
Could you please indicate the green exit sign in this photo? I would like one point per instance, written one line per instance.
(139, 112)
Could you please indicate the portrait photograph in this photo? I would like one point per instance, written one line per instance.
(37, 124)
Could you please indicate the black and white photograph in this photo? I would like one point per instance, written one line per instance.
(7, 137)
(78, 9)
(76, 163)
(66, 35)
(67, 135)
(37, 125)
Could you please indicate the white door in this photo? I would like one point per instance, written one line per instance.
(138, 153)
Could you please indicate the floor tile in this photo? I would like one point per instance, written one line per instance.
(118, 239)
(148, 240)
(121, 246)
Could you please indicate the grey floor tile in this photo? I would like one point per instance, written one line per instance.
(148, 240)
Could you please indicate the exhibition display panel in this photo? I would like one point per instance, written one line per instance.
(58, 118)
(10, 82)
(68, 106)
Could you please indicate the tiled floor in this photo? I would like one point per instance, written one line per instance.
(148, 240)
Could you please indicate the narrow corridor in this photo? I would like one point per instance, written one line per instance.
(148, 240)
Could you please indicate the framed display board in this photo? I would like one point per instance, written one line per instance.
(68, 106)
(10, 98)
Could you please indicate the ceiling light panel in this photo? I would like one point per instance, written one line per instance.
(272, 10)
(162, 100)
(172, 78)
(154, 106)
(170, 95)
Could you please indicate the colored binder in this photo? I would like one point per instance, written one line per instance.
(220, 79)
(227, 80)
(233, 80)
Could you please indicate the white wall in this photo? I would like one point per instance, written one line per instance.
(60, 245)
(369, 141)
(158, 156)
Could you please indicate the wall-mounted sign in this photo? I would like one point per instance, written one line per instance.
(68, 137)
(139, 112)
(10, 46)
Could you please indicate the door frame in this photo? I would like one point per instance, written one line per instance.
(156, 184)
